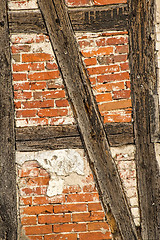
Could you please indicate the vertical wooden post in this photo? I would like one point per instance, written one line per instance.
(143, 83)
(8, 199)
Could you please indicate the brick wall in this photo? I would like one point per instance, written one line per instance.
(40, 97)
(57, 200)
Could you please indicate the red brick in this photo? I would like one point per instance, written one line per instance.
(38, 121)
(28, 67)
(53, 84)
(16, 57)
(49, 219)
(114, 33)
(98, 226)
(78, 2)
(113, 77)
(19, 76)
(85, 43)
(88, 53)
(36, 57)
(49, 94)
(26, 113)
(38, 181)
(40, 200)
(95, 236)
(20, 48)
(35, 237)
(18, 39)
(34, 230)
(35, 210)
(71, 236)
(117, 118)
(100, 51)
(117, 40)
(87, 217)
(51, 66)
(72, 189)
(94, 206)
(105, 97)
(37, 85)
(122, 49)
(39, 76)
(62, 103)
(89, 188)
(41, 38)
(124, 66)
(21, 86)
(17, 105)
(26, 201)
(33, 191)
(22, 95)
(38, 104)
(119, 58)
(52, 112)
(121, 94)
(78, 207)
(30, 220)
(80, 227)
(104, 51)
(90, 61)
(107, 87)
(87, 197)
(92, 80)
(105, 2)
(29, 170)
(128, 84)
(101, 42)
(47, 200)
(103, 69)
(115, 105)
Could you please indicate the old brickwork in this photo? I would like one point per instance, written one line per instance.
(64, 204)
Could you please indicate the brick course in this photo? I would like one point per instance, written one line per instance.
(38, 85)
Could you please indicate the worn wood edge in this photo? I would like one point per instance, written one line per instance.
(88, 19)
(67, 136)
(8, 194)
(144, 100)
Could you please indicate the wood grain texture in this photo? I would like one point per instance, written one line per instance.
(144, 87)
(87, 115)
(8, 201)
(83, 20)
(67, 136)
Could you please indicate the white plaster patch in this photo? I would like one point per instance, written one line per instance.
(17, 5)
(60, 164)
(157, 148)
(42, 47)
(127, 151)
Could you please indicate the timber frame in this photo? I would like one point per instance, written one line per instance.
(8, 201)
(144, 99)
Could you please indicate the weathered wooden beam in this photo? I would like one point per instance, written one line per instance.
(8, 200)
(91, 19)
(67, 136)
(144, 87)
(87, 115)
